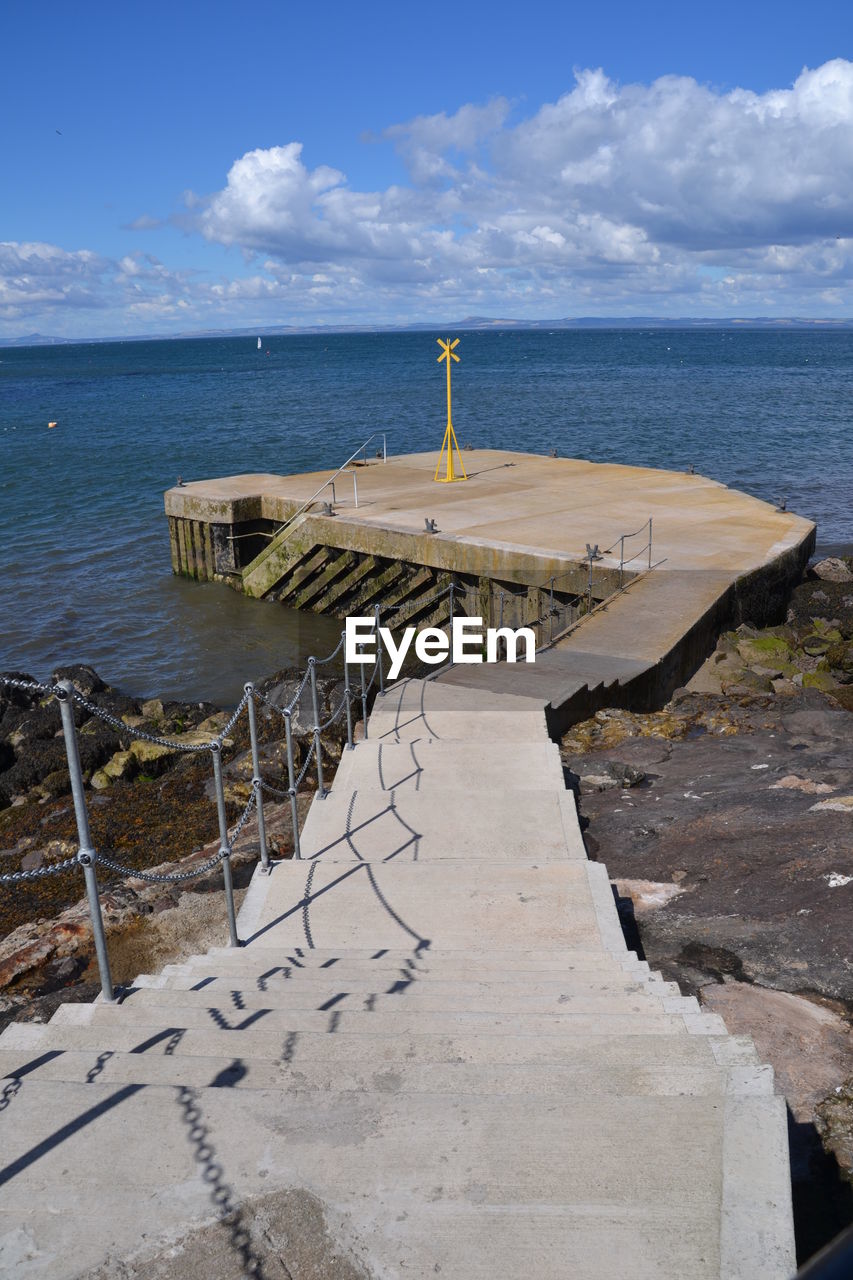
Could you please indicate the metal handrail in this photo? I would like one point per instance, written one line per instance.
(362, 449)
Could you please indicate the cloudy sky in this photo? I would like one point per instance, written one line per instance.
(172, 167)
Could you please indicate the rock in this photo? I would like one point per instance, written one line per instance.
(152, 709)
(152, 758)
(33, 860)
(649, 895)
(807, 1044)
(101, 780)
(747, 681)
(598, 781)
(833, 569)
(764, 650)
(121, 765)
(793, 783)
(840, 657)
(84, 678)
(818, 680)
(838, 804)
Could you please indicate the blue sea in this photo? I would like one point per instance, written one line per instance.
(85, 562)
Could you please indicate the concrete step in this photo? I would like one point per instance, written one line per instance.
(460, 726)
(484, 1079)
(365, 1050)
(434, 764)
(407, 825)
(326, 904)
(495, 961)
(405, 999)
(648, 1018)
(354, 1148)
(294, 983)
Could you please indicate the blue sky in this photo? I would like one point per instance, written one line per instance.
(220, 165)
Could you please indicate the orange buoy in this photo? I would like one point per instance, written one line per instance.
(52, 424)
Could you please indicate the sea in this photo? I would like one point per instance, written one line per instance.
(85, 569)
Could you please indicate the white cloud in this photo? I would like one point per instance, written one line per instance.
(670, 197)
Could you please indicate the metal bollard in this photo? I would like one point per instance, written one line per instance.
(256, 776)
(224, 846)
(347, 696)
(85, 852)
(551, 611)
(378, 648)
(363, 699)
(318, 749)
(291, 785)
(650, 542)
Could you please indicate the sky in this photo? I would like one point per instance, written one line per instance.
(187, 166)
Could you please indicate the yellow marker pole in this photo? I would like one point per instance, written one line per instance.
(449, 442)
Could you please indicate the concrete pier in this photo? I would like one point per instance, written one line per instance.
(513, 538)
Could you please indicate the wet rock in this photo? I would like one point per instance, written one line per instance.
(84, 678)
(121, 765)
(833, 569)
(33, 860)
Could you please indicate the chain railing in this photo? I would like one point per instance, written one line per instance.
(88, 858)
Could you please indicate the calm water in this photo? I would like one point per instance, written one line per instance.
(85, 550)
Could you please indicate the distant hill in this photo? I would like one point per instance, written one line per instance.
(468, 323)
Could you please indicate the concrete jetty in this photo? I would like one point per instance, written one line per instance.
(513, 538)
(433, 1055)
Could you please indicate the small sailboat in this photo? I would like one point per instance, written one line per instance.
(259, 344)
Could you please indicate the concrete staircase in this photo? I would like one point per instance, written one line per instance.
(434, 1028)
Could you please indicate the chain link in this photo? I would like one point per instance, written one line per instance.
(30, 685)
(321, 662)
(306, 763)
(274, 791)
(152, 878)
(15, 877)
(190, 747)
(335, 714)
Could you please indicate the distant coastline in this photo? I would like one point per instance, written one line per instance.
(469, 323)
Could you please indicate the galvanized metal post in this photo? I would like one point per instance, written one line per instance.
(291, 784)
(363, 697)
(451, 604)
(347, 694)
(501, 622)
(589, 586)
(384, 448)
(355, 486)
(224, 846)
(378, 648)
(551, 610)
(621, 559)
(650, 542)
(318, 749)
(85, 850)
(256, 776)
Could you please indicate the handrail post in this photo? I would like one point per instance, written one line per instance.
(650, 542)
(318, 748)
(452, 584)
(291, 784)
(621, 559)
(384, 448)
(378, 648)
(224, 846)
(347, 694)
(551, 612)
(256, 775)
(85, 851)
(363, 696)
(355, 487)
(589, 587)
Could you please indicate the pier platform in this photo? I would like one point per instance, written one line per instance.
(676, 557)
